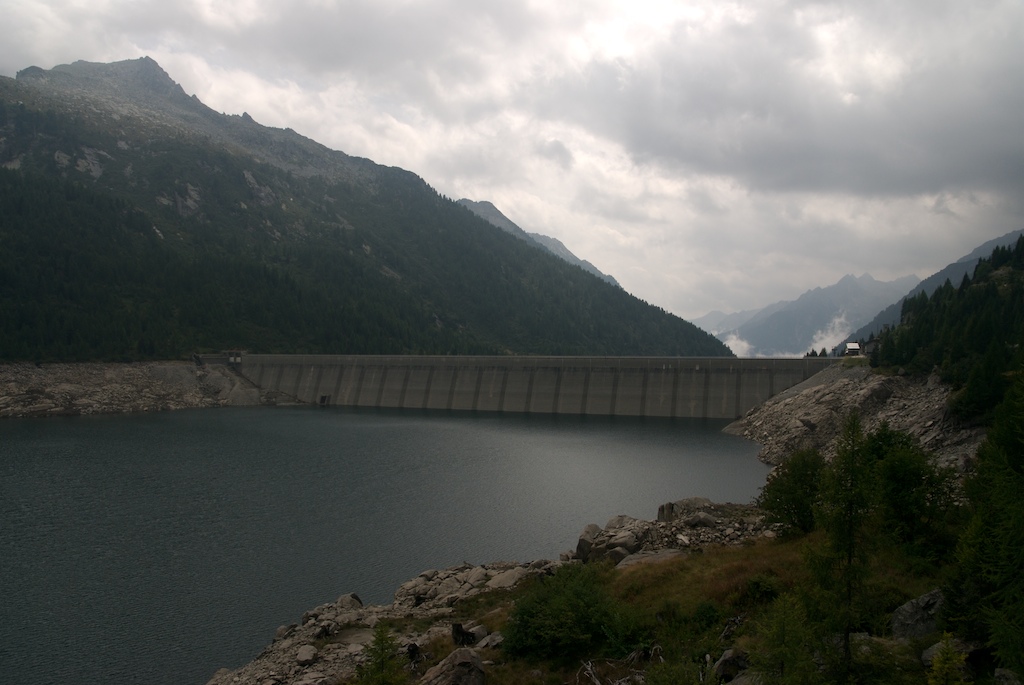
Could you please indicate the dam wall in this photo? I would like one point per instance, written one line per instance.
(669, 387)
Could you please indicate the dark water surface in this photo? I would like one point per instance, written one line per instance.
(154, 549)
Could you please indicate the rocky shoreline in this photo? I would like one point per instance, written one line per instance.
(327, 644)
(31, 390)
(811, 415)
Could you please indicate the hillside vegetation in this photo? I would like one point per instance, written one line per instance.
(139, 224)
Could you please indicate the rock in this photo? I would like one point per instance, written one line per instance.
(701, 519)
(917, 618)
(620, 521)
(507, 579)
(478, 632)
(477, 576)
(305, 655)
(616, 554)
(461, 667)
(729, 665)
(349, 601)
(282, 631)
(492, 641)
(586, 541)
(625, 539)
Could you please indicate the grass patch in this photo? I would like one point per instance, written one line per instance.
(721, 575)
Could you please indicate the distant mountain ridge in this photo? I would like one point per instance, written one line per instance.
(487, 210)
(138, 223)
(821, 317)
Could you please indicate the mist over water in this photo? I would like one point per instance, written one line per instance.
(157, 548)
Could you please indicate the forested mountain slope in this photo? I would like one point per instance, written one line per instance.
(971, 333)
(955, 272)
(137, 223)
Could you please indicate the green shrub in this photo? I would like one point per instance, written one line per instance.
(790, 494)
(706, 616)
(563, 616)
(571, 615)
(788, 644)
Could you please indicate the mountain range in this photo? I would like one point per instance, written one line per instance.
(822, 317)
(139, 223)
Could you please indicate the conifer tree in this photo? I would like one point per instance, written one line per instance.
(844, 513)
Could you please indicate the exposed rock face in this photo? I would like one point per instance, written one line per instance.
(72, 389)
(811, 415)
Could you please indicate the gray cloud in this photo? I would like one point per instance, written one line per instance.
(557, 152)
(749, 104)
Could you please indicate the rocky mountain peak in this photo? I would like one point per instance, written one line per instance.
(127, 78)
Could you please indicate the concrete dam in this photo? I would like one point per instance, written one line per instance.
(669, 387)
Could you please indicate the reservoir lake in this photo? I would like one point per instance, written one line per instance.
(153, 549)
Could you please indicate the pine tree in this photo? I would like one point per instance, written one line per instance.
(844, 513)
(383, 665)
(947, 666)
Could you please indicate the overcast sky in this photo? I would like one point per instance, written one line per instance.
(708, 155)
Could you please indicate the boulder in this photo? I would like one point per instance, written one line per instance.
(917, 618)
(729, 665)
(626, 539)
(349, 602)
(305, 655)
(477, 576)
(701, 519)
(616, 554)
(461, 667)
(494, 640)
(507, 578)
(620, 521)
(586, 541)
